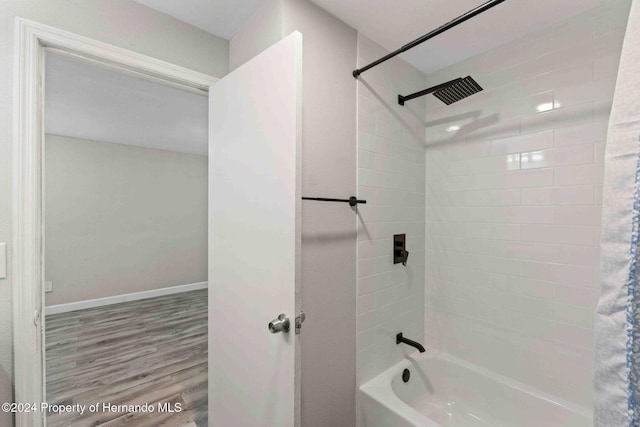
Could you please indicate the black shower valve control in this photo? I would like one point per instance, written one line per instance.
(400, 253)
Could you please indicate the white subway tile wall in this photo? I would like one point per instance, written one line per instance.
(391, 177)
(513, 204)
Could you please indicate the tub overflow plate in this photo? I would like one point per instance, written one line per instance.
(406, 374)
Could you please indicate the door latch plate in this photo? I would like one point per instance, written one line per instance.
(299, 320)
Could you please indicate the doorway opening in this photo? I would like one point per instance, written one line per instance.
(125, 225)
(33, 43)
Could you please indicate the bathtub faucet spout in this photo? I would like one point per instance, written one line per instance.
(401, 339)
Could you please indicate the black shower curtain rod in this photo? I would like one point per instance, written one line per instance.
(459, 20)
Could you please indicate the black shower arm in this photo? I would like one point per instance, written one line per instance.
(459, 20)
(402, 99)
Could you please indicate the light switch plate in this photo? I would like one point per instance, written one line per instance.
(3, 260)
(48, 286)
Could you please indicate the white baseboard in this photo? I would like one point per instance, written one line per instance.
(98, 302)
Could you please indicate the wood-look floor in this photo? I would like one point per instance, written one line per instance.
(149, 351)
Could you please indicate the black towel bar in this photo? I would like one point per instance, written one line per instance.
(353, 201)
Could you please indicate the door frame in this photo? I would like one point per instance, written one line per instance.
(27, 239)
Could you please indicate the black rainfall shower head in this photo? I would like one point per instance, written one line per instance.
(447, 92)
(458, 90)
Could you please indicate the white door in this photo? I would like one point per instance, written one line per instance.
(254, 239)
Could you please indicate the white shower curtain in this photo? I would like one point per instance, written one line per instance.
(617, 323)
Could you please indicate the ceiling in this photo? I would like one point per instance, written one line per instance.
(89, 101)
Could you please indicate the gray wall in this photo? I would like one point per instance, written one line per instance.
(328, 169)
(123, 23)
(264, 28)
(122, 219)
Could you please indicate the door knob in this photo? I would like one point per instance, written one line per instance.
(281, 324)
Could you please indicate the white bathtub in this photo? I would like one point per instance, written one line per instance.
(448, 392)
